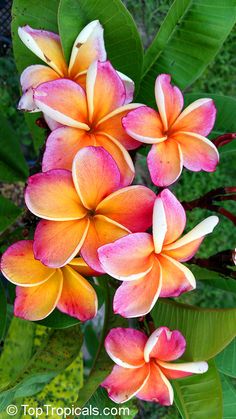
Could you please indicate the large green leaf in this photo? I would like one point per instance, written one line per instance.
(213, 278)
(199, 396)
(123, 43)
(13, 166)
(41, 15)
(188, 40)
(229, 398)
(58, 320)
(9, 212)
(53, 357)
(207, 331)
(226, 360)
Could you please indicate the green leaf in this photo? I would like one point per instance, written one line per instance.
(213, 278)
(188, 40)
(226, 360)
(13, 166)
(9, 212)
(52, 358)
(207, 331)
(58, 320)
(3, 311)
(41, 15)
(199, 396)
(229, 398)
(122, 40)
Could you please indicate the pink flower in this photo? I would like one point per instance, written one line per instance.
(177, 138)
(143, 366)
(150, 266)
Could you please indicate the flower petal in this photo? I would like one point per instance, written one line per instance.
(169, 219)
(36, 303)
(20, 267)
(112, 125)
(62, 146)
(52, 124)
(80, 266)
(157, 388)
(101, 231)
(125, 347)
(129, 87)
(46, 45)
(176, 278)
(88, 47)
(199, 117)
(95, 175)
(56, 243)
(123, 383)
(137, 298)
(169, 100)
(181, 370)
(144, 125)
(186, 247)
(78, 298)
(105, 90)
(128, 258)
(64, 101)
(120, 155)
(165, 345)
(26, 102)
(52, 196)
(131, 206)
(198, 152)
(165, 162)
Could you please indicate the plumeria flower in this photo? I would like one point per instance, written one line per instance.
(177, 138)
(40, 289)
(143, 366)
(84, 209)
(90, 118)
(150, 266)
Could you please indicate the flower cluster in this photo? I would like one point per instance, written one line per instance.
(93, 221)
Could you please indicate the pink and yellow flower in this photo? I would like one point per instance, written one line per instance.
(150, 266)
(178, 137)
(41, 289)
(89, 118)
(84, 209)
(143, 368)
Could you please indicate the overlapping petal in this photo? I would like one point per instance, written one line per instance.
(181, 370)
(169, 100)
(125, 347)
(164, 345)
(80, 266)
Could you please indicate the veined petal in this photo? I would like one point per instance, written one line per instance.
(52, 196)
(95, 175)
(129, 87)
(64, 101)
(62, 145)
(186, 247)
(176, 278)
(137, 298)
(88, 47)
(78, 298)
(181, 370)
(123, 383)
(169, 219)
(111, 124)
(198, 152)
(169, 100)
(157, 388)
(125, 347)
(120, 155)
(128, 258)
(80, 266)
(144, 125)
(36, 303)
(199, 117)
(165, 162)
(131, 206)
(20, 267)
(105, 90)
(101, 231)
(56, 243)
(165, 345)
(46, 45)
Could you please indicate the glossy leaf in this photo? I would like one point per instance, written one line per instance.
(58, 320)
(9, 212)
(226, 360)
(213, 278)
(122, 40)
(188, 40)
(199, 396)
(207, 331)
(229, 397)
